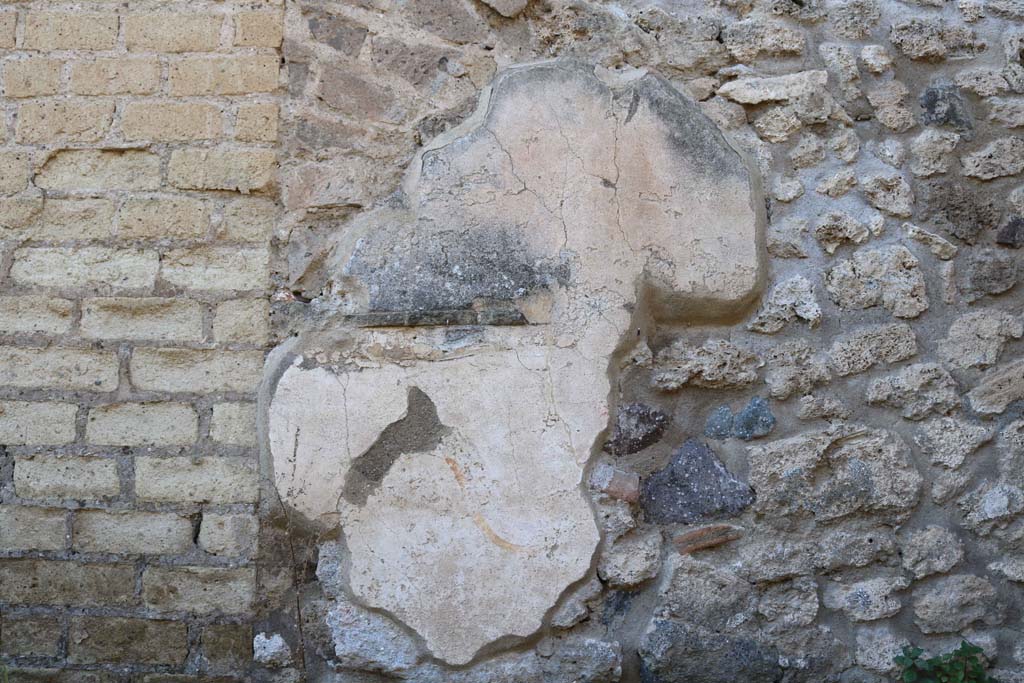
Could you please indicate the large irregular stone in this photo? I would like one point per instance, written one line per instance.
(992, 505)
(867, 346)
(932, 550)
(952, 603)
(931, 152)
(867, 600)
(888, 276)
(976, 339)
(774, 88)
(916, 390)
(989, 272)
(999, 387)
(693, 487)
(828, 475)
(948, 441)
(942, 104)
(790, 300)
(789, 604)
(878, 646)
(937, 245)
(959, 210)
(998, 158)
(456, 483)
(794, 368)
(631, 559)
(852, 543)
(679, 652)
(838, 227)
(716, 364)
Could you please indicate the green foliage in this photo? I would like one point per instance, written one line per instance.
(962, 665)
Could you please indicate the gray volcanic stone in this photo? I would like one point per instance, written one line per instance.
(989, 272)
(756, 420)
(693, 487)
(637, 426)
(1011, 234)
(678, 652)
(719, 423)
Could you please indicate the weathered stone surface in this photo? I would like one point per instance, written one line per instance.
(943, 105)
(992, 505)
(616, 483)
(828, 475)
(631, 559)
(636, 427)
(888, 276)
(999, 387)
(789, 300)
(952, 603)
(837, 228)
(867, 600)
(948, 441)
(489, 231)
(1011, 232)
(931, 152)
(959, 210)
(794, 368)
(507, 8)
(775, 88)
(821, 407)
(998, 158)
(716, 364)
(877, 646)
(932, 550)
(917, 390)
(989, 272)
(865, 347)
(678, 652)
(889, 193)
(754, 421)
(694, 486)
(789, 604)
(976, 339)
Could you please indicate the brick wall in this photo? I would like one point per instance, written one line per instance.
(137, 195)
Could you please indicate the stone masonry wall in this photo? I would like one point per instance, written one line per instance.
(137, 198)
(788, 484)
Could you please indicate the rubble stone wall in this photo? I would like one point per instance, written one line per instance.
(510, 340)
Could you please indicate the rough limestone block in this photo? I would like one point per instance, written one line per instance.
(563, 208)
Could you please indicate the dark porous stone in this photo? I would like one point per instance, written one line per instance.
(754, 421)
(679, 652)
(943, 105)
(989, 272)
(693, 487)
(719, 424)
(1011, 234)
(959, 210)
(637, 426)
(337, 32)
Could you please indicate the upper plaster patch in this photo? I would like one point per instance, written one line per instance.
(454, 468)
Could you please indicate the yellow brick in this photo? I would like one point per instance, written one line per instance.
(234, 424)
(60, 31)
(242, 321)
(14, 171)
(236, 75)
(25, 423)
(145, 318)
(72, 219)
(31, 528)
(164, 218)
(50, 582)
(142, 424)
(68, 369)
(195, 371)
(116, 76)
(85, 267)
(199, 590)
(172, 32)
(64, 121)
(171, 121)
(217, 268)
(76, 478)
(259, 29)
(250, 170)
(130, 532)
(95, 169)
(31, 77)
(187, 480)
(8, 26)
(228, 535)
(257, 123)
(30, 314)
(17, 213)
(248, 220)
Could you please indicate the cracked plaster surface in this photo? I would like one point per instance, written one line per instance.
(572, 207)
